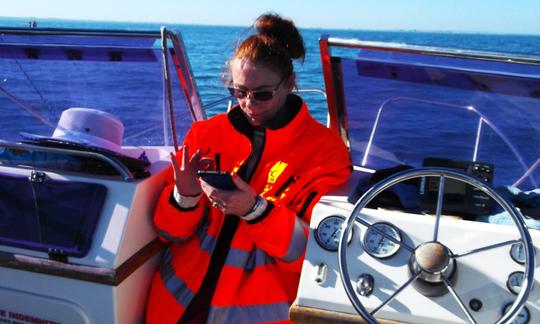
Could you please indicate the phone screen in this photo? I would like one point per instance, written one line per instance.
(220, 180)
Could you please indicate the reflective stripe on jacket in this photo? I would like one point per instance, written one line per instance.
(300, 162)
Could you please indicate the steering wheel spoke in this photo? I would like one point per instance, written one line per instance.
(385, 235)
(440, 198)
(485, 248)
(400, 289)
(458, 300)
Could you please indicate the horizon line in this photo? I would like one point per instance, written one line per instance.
(300, 27)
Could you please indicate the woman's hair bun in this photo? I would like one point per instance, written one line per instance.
(283, 31)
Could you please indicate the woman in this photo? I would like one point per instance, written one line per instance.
(235, 255)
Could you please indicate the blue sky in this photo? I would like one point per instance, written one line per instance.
(487, 16)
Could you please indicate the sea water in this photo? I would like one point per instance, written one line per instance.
(209, 48)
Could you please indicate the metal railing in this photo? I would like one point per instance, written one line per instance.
(115, 163)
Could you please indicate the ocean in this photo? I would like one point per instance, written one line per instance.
(209, 48)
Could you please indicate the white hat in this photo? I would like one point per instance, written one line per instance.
(88, 127)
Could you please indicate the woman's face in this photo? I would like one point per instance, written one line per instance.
(249, 77)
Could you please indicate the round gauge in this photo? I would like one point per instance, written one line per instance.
(517, 252)
(329, 230)
(514, 282)
(376, 244)
(522, 317)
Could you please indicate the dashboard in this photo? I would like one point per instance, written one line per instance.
(380, 266)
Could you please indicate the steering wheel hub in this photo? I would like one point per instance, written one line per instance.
(431, 263)
(432, 257)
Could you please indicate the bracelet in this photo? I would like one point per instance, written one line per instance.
(186, 201)
(258, 209)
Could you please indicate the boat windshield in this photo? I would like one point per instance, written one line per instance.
(43, 72)
(409, 109)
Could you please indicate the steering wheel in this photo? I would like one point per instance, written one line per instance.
(432, 261)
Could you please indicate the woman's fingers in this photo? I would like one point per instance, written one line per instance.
(208, 189)
(206, 164)
(194, 160)
(185, 175)
(213, 193)
(185, 157)
(174, 163)
(235, 202)
(240, 183)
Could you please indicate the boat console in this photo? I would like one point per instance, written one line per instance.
(438, 223)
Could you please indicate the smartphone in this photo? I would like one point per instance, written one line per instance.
(220, 180)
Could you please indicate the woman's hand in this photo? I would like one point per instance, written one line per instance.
(232, 202)
(185, 174)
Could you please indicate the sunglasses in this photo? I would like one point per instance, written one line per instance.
(262, 95)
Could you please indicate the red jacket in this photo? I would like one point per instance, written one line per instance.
(300, 162)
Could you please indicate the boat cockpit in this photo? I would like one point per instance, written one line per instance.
(438, 222)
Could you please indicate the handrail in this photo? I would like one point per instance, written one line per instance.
(313, 90)
(431, 50)
(333, 82)
(218, 101)
(78, 32)
(185, 76)
(124, 172)
(168, 87)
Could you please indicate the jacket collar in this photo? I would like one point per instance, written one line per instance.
(286, 124)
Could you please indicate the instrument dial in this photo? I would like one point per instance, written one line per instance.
(329, 230)
(514, 282)
(377, 245)
(522, 317)
(517, 252)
